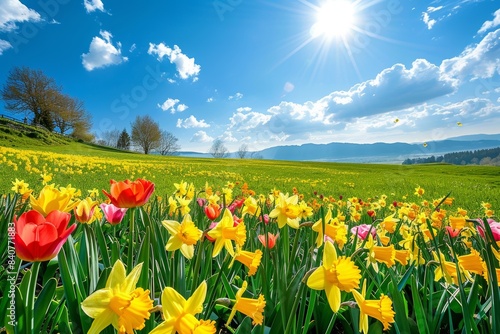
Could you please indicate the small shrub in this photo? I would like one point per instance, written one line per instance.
(33, 134)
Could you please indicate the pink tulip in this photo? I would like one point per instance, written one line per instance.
(113, 214)
(494, 226)
(362, 231)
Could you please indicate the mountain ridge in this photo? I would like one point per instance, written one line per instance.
(379, 152)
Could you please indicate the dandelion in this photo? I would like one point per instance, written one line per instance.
(183, 236)
(119, 303)
(253, 308)
(179, 313)
(336, 274)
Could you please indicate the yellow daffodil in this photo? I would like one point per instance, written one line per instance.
(389, 223)
(179, 313)
(51, 199)
(250, 259)
(253, 308)
(334, 229)
(286, 211)
(183, 236)
(384, 254)
(94, 193)
(446, 270)
(380, 309)
(119, 303)
(46, 178)
(180, 188)
(20, 187)
(336, 274)
(251, 207)
(419, 191)
(305, 211)
(84, 210)
(225, 231)
(473, 263)
(172, 206)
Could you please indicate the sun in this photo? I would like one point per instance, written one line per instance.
(334, 19)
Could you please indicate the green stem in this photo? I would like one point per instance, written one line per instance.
(211, 301)
(130, 262)
(30, 300)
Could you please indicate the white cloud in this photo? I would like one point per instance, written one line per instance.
(192, 122)
(490, 24)
(4, 45)
(132, 48)
(210, 99)
(186, 67)
(201, 137)
(236, 96)
(244, 109)
(246, 121)
(93, 5)
(181, 107)
(476, 61)
(102, 52)
(428, 21)
(12, 12)
(169, 104)
(392, 89)
(426, 17)
(170, 80)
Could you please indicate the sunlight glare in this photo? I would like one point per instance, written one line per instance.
(334, 18)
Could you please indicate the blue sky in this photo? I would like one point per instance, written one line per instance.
(267, 73)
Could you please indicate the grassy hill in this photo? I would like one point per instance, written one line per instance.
(26, 152)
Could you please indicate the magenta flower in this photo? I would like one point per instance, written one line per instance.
(363, 230)
(113, 214)
(494, 226)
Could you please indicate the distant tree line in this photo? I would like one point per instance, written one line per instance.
(146, 136)
(43, 103)
(477, 157)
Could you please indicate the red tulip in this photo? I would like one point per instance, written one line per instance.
(113, 214)
(130, 194)
(212, 211)
(38, 238)
(271, 240)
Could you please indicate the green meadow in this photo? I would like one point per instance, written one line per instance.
(28, 152)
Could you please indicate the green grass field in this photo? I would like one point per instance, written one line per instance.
(85, 166)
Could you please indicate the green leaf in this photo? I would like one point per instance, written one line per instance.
(420, 313)
(43, 302)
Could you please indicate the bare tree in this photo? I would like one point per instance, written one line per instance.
(218, 150)
(146, 133)
(111, 137)
(243, 151)
(168, 144)
(31, 90)
(69, 113)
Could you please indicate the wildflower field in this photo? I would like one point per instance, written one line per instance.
(98, 241)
